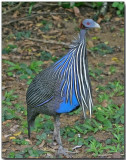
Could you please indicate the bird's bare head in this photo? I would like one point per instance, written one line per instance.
(89, 23)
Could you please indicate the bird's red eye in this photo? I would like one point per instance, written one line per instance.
(88, 23)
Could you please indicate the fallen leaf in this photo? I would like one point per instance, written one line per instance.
(42, 144)
(115, 59)
(13, 129)
(99, 20)
(104, 103)
(28, 140)
(17, 134)
(76, 11)
(106, 42)
(39, 24)
(7, 121)
(90, 44)
(4, 150)
(12, 138)
(7, 135)
(116, 155)
(15, 15)
(5, 57)
(69, 9)
(57, 18)
(4, 139)
(117, 19)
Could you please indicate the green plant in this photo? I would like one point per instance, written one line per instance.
(46, 26)
(95, 147)
(97, 4)
(45, 56)
(8, 49)
(103, 96)
(112, 69)
(102, 49)
(8, 97)
(71, 4)
(120, 8)
(122, 31)
(31, 6)
(29, 151)
(23, 34)
(20, 141)
(25, 71)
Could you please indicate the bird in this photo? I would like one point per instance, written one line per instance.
(63, 87)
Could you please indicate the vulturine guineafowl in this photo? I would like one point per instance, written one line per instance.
(62, 87)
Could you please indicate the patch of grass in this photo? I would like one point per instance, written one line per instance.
(112, 69)
(23, 34)
(25, 71)
(20, 141)
(45, 56)
(102, 49)
(95, 147)
(47, 26)
(26, 153)
(8, 110)
(8, 49)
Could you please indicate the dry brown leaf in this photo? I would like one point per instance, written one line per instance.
(4, 139)
(99, 20)
(5, 122)
(104, 103)
(15, 15)
(90, 44)
(69, 9)
(76, 11)
(116, 155)
(57, 18)
(28, 140)
(49, 37)
(5, 57)
(42, 144)
(4, 150)
(117, 19)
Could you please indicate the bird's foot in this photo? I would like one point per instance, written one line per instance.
(63, 152)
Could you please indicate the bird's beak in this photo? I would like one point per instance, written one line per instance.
(96, 25)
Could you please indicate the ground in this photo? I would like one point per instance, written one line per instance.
(99, 137)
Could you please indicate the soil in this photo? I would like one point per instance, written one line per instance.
(64, 24)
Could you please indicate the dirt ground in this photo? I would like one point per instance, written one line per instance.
(64, 23)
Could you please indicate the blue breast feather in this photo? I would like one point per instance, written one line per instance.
(67, 106)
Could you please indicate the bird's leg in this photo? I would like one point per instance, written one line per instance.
(56, 136)
(56, 133)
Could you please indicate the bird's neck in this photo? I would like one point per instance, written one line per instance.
(82, 35)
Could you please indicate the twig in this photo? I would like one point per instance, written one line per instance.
(12, 9)
(76, 147)
(54, 42)
(49, 41)
(20, 19)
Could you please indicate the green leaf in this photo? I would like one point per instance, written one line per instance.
(24, 76)
(10, 73)
(121, 6)
(18, 156)
(115, 4)
(107, 123)
(100, 117)
(118, 12)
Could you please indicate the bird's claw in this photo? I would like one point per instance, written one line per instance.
(63, 152)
